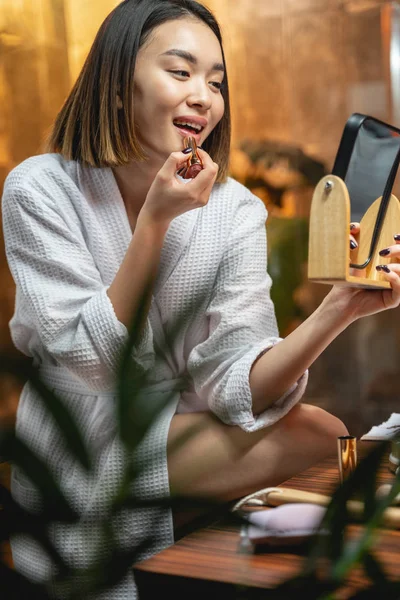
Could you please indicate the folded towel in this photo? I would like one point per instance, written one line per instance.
(285, 525)
(385, 431)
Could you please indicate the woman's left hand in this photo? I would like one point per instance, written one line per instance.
(359, 302)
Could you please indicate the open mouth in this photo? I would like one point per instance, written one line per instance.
(187, 127)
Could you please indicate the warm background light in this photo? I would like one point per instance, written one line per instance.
(297, 68)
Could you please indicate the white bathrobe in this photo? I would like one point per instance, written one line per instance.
(66, 232)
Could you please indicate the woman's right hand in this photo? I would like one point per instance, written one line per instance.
(168, 197)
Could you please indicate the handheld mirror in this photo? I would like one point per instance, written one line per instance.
(359, 189)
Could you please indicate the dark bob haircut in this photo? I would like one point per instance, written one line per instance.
(90, 128)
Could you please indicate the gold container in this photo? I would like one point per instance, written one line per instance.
(347, 455)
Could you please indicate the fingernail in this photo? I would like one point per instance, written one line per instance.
(353, 245)
(383, 268)
(352, 226)
(384, 252)
(186, 150)
(397, 237)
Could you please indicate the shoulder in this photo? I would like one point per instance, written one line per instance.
(39, 173)
(233, 197)
(43, 183)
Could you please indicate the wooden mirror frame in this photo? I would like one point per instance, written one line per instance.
(329, 249)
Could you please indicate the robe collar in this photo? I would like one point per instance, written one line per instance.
(177, 237)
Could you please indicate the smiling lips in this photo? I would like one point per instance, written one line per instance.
(190, 125)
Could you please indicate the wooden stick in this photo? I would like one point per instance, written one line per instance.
(278, 496)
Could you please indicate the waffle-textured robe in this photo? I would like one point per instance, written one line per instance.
(66, 232)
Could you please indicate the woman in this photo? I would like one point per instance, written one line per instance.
(101, 223)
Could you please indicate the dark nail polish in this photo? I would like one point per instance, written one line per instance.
(385, 268)
(187, 150)
(397, 237)
(378, 267)
(352, 226)
(384, 252)
(194, 162)
(353, 245)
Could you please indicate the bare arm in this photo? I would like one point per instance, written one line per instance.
(279, 368)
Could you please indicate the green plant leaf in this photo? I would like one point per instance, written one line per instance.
(136, 413)
(355, 552)
(287, 254)
(130, 380)
(337, 517)
(18, 453)
(56, 407)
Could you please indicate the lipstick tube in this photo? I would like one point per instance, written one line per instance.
(347, 455)
(194, 164)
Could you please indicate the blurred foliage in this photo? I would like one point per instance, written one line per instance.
(338, 554)
(334, 554)
(272, 168)
(134, 416)
(287, 255)
(279, 167)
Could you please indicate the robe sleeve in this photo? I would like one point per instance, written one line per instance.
(64, 300)
(242, 326)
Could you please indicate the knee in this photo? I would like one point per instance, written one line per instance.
(316, 426)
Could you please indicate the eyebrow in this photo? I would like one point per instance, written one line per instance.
(191, 58)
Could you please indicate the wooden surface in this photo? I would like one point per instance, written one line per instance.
(210, 562)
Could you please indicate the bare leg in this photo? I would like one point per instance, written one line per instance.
(222, 462)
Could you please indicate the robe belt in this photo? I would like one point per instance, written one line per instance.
(60, 379)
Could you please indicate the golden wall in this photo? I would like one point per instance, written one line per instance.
(297, 70)
(43, 44)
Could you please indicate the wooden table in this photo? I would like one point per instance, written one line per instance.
(208, 562)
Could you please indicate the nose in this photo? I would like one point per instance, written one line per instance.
(200, 94)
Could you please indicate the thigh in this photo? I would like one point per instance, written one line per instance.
(210, 459)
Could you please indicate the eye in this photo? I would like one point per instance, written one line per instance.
(217, 84)
(180, 73)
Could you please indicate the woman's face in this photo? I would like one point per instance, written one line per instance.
(178, 76)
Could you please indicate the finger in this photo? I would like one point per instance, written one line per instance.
(390, 251)
(205, 157)
(390, 268)
(206, 162)
(174, 162)
(397, 238)
(206, 191)
(354, 230)
(391, 274)
(207, 176)
(353, 243)
(203, 182)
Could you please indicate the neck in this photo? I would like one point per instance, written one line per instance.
(134, 181)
